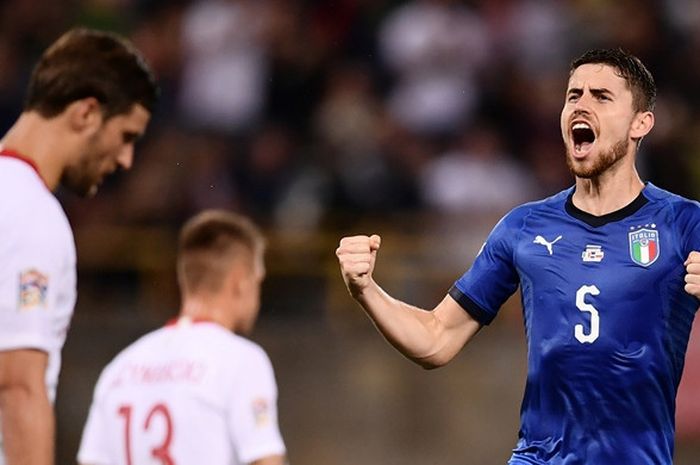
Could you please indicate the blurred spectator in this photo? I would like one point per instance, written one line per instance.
(534, 34)
(434, 48)
(351, 129)
(268, 170)
(684, 15)
(476, 176)
(225, 68)
(297, 64)
(159, 36)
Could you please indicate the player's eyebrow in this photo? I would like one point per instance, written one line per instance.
(132, 136)
(602, 91)
(595, 91)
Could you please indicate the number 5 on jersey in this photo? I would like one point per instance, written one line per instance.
(586, 307)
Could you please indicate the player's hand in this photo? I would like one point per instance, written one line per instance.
(357, 255)
(692, 276)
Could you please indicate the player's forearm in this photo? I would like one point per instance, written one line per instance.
(271, 460)
(27, 425)
(414, 332)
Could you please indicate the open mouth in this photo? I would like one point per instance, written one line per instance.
(583, 136)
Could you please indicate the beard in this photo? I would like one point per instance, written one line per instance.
(606, 160)
(79, 186)
(84, 176)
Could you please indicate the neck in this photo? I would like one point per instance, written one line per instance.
(42, 141)
(608, 192)
(209, 309)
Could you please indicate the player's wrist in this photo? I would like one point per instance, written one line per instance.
(366, 294)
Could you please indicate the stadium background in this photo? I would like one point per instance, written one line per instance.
(422, 120)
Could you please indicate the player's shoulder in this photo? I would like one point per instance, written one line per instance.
(677, 202)
(27, 200)
(211, 338)
(554, 202)
(238, 352)
(245, 347)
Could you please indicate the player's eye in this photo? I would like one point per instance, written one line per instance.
(129, 137)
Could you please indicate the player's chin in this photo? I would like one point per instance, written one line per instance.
(81, 186)
(578, 168)
(88, 188)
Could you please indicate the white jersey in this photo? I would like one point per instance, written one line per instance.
(37, 265)
(188, 393)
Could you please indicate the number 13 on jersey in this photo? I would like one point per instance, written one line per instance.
(161, 451)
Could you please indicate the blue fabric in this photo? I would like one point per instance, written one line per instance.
(607, 396)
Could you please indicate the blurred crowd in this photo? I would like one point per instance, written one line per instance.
(298, 111)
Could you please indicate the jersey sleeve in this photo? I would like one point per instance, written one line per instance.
(37, 283)
(492, 277)
(253, 414)
(688, 223)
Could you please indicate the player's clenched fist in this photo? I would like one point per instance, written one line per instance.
(692, 276)
(356, 255)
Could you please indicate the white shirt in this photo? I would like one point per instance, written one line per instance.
(37, 271)
(188, 393)
(37, 267)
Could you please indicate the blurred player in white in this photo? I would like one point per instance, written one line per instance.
(195, 391)
(89, 98)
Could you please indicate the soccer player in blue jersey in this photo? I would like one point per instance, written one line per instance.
(609, 278)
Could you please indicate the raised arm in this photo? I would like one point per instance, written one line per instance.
(429, 338)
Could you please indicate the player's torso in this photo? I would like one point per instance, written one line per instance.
(611, 281)
(168, 400)
(605, 316)
(38, 277)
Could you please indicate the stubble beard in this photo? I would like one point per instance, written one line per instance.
(83, 177)
(606, 160)
(79, 180)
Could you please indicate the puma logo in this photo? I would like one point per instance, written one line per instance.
(542, 241)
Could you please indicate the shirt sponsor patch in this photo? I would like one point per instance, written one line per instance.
(593, 253)
(33, 289)
(261, 412)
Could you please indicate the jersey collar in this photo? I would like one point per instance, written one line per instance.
(186, 321)
(597, 221)
(18, 156)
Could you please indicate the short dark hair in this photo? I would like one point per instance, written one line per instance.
(88, 63)
(638, 78)
(209, 243)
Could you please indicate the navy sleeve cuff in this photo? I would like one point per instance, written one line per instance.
(471, 307)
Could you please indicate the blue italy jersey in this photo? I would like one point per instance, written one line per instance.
(607, 323)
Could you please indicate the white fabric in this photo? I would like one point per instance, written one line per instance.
(225, 67)
(34, 236)
(214, 389)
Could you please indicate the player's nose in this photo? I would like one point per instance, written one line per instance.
(125, 159)
(582, 104)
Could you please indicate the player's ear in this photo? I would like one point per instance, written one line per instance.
(84, 115)
(235, 280)
(641, 124)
